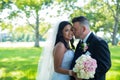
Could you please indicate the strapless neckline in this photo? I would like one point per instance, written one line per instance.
(66, 63)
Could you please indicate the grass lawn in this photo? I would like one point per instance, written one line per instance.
(114, 73)
(21, 63)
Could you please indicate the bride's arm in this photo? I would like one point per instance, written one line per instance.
(58, 57)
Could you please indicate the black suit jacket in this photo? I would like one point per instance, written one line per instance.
(99, 50)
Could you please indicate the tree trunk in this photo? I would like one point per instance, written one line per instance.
(37, 30)
(114, 41)
(116, 18)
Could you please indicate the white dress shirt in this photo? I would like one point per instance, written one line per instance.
(85, 39)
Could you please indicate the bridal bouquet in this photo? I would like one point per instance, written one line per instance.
(85, 67)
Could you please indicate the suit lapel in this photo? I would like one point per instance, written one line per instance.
(78, 47)
(89, 41)
(90, 38)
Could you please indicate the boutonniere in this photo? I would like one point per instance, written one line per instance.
(84, 47)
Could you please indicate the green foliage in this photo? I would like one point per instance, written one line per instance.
(23, 34)
(5, 4)
(77, 12)
(13, 14)
(65, 1)
(44, 29)
(103, 16)
(4, 26)
(96, 12)
(32, 4)
(22, 37)
(24, 29)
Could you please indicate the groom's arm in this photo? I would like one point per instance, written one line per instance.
(102, 55)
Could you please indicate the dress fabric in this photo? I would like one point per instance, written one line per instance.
(66, 63)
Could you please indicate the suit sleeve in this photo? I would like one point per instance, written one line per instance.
(102, 55)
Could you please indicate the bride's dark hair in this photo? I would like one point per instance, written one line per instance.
(59, 36)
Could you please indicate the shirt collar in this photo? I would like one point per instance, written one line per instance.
(85, 39)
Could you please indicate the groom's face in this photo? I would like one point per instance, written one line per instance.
(78, 30)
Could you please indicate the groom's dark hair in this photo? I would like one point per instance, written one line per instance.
(81, 19)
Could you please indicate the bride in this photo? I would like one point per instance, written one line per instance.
(57, 56)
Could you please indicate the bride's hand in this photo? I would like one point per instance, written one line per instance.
(76, 78)
(73, 74)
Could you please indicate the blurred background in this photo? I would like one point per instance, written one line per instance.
(24, 27)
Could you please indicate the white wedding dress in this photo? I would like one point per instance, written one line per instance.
(66, 63)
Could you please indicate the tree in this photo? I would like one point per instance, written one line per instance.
(5, 4)
(102, 15)
(32, 8)
(5, 26)
(114, 8)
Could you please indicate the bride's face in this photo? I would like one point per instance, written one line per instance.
(67, 32)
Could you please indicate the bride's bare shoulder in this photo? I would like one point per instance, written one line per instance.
(59, 45)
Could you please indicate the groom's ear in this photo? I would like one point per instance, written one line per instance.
(84, 28)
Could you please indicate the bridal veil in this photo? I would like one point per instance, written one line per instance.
(45, 65)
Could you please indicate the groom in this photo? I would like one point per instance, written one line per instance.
(97, 47)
